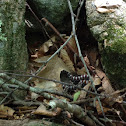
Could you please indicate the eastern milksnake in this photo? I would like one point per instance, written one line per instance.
(79, 80)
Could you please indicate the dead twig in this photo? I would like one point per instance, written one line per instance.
(95, 119)
(113, 121)
(27, 103)
(81, 2)
(58, 34)
(77, 124)
(6, 88)
(63, 40)
(72, 108)
(43, 92)
(64, 83)
(82, 101)
(119, 122)
(39, 21)
(101, 96)
(80, 54)
(53, 28)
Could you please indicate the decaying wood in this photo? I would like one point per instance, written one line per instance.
(75, 109)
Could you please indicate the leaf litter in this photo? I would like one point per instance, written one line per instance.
(83, 99)
(52, 70)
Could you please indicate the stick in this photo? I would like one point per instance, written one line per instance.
(39, 91)
(80, 54)
(72, 108)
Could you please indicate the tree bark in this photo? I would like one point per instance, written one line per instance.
(13, 47)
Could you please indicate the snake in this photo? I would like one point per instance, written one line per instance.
(78, 80)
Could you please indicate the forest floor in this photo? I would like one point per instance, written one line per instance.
(66, 85)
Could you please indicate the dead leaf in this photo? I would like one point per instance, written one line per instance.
(45, 47)
(108, 90)
(92, 55)
(105, 82)
(100, 89)
(16, 117)
(35, 55)
(107, 6)
(119, 99)
(81, 71)
(84, 93)
(98, 107)
(72, 43)
(104, 10)
(41, 110)
(52, 71)
(118, 112)
(86, 60)
(97, 80)
(6, 111)
(108, 3)
(64, 56)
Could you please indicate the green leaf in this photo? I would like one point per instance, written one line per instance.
(76, 96)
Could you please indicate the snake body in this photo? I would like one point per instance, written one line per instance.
(78, 80)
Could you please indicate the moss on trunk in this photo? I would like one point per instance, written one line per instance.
(13, 48)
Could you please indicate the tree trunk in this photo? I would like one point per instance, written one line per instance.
(13, 47)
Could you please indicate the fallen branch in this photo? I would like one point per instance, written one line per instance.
(72, 108)
(95, 119)
(43, 92)
(26, 103)
(64, 83)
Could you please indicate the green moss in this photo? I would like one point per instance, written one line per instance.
(2, 35)
(114, 55)
(14, 53)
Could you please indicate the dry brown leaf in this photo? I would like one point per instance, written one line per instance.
(97, 80)
(98, 107)
(52, 71)
(6, 111)
(35, 55)
(41, 110)
(81, 71)
(100, 89)
(84, 93)
(86, 60)
(64, 56)
(106, 87)
(16, 117)
(118, 112)
(45, 47)
(119, 99)
(72, 43)
(92, 56)
(105, 82)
